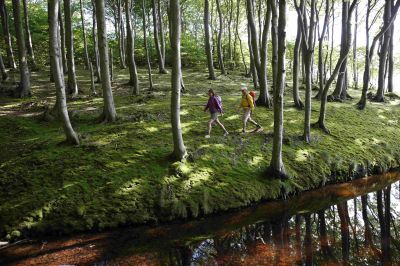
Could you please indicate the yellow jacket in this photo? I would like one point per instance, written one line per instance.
(247, 102)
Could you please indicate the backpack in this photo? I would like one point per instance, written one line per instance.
(253, 96)
(218, 100)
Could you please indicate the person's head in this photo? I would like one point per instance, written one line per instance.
(211, 92)
(244, 90)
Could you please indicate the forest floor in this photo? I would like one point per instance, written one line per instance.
(121, 173)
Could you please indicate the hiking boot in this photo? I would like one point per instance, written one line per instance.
(207, 136)
(226, 133)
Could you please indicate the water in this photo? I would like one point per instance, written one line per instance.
(355, 223)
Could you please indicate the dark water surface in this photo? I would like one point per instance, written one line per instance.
(354, 223)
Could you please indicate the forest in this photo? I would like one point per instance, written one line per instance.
(118, 113)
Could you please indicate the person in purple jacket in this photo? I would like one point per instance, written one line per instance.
(214, 105)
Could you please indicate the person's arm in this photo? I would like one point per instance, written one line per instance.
(207, 106)
(250, 101)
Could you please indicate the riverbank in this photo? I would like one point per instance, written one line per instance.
(121, 174)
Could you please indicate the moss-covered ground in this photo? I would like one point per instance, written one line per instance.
(121, 174)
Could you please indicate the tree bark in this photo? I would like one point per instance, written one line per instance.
(321, 72)
(96, 43)
(369, 51)
(121, 35)
(179, 151)
(109, 113)
(274, 41)
(62, 39)
(133, 76)
(23, 89)
(145, 46)
(161, 63)
(260, 62)
(276, 167)
(344, 229)
(355, 68)
(6, 32)
(72, 87)
(28, 36)
(391, 62)
(4, 75)
(87, 60)
(219, 45)
(58, 74)
(296, 67)
(161, 25)
(383, 53)
(207, 40)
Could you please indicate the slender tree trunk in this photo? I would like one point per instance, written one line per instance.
(230, 29)
(207, 39)
(391, 62)
(96, 44)
(296, 67)
(4, 75)
(58, 74)
(28, 36)
(121, 37)
(72, 87)
(274, 41)
(308, 240)
(383, 53)
(87, 60)
(253, 68)
(92, 85)
(109, 113)
(161, 64)
(261, 67)
(146, 47)
(175, 32)
(369, 51)
(276, 167)
(6, 32)
(355, 68)
(111, 65)
(23, 88)
(386, 256)
(133, 76)
(219, 45)
(161, 25)
(62, 39)
(321, 38)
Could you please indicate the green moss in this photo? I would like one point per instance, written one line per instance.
(121, 173)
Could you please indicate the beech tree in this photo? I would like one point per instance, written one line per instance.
(133, 76)
(7, 37)
(55, 57)
(146, 49)
(207, 40)
(72, 87)
(28, 36)
(109, 113)
(160, 56)
(176, 76)
(23, 89)
(87, 60)
(276, 167)
(219, 42)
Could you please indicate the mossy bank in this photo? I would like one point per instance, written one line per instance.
(121, 173)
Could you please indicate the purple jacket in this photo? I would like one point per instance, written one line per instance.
(214, 104)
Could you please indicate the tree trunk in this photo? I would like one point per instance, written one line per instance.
(92, 85)
(391, 62)
(133, 76)
(321, 38)
(161, 63)
(4, 75)
(274, 41)
(145, 46)
(355, 68)
(111, 65)
(230, 29)
(28, 36)
(296, 67)
(207, 39)
(276, 167)
(259, 63)
(87, 60)
(369, 51)
(121, 37)
(308, 240)
(62, 39)
(6, 32)
(161, 25)
(219, 45)
(383, 53)
(109, 113)
(58, 74)
(72, 87)
(175, 32)
(23, 88)
(96, 43)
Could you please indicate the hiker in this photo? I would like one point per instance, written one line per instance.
(214, 104)
(247, 104)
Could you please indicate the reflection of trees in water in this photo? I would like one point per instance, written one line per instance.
(363, 230)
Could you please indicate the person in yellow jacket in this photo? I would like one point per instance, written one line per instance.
(247, 105)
